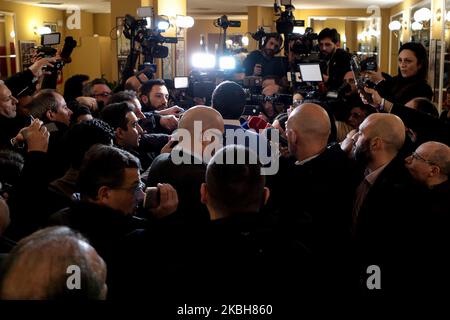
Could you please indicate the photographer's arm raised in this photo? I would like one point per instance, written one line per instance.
(37, 67)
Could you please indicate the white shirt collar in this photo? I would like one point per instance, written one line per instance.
(300, 163)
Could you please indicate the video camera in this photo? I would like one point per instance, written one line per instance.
(304, 44)
(47, 51)
(255, 101)
(224, 23)
(202, 84)
(286, 21)
(150, 39)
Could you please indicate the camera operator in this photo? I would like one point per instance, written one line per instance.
(337, 60)
(263, 62)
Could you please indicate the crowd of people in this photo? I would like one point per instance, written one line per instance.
(91, 178)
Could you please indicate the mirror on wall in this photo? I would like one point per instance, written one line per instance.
(446, 74)
(420, 23)
(447, 46)
(358, 35)
(8, 45)
(395, 35)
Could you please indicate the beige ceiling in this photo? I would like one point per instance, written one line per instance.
(219, 6)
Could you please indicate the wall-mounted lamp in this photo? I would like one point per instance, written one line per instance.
(416, 26)
(184, 21)
(421, 19)
(422, 15)
(244, 41)
(42, 30)
(395, 25)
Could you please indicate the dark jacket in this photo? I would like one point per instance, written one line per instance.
(275, 66)
(425, 126)
(149, 148)
(317, 198)
(434, 217)
(21, 82)
(6, 245)
(401, 90)
(385, 230)
(314, 203)
(244, 255)
(9, 128)
(110, 232)
(58, 150)
(238, 255)
(151, 123)
(30, 201)
(336, 68)
(187, 180)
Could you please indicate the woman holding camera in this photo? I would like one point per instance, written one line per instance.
(411, 79)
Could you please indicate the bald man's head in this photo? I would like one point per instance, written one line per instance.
(387, 127)
(312, 121)
(209, 118)
(39, 267)
(199, 127)
(308, 129)
(439, 154)
(430, 163)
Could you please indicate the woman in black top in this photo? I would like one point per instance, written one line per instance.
(411, 79)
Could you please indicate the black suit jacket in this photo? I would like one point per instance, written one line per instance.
(427, 127)
(385, 233)
(187, 180)
(314, 201)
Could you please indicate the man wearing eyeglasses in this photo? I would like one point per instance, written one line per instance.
(99, 90)
(110, 191)
(430, 166)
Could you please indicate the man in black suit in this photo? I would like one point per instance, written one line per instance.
(384, 215)
(241, 250)
(50, 107)
(337, 59)
(321, 181)
(430, 166)
(184, 167)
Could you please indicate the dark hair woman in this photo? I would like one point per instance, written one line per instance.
(411, 80)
